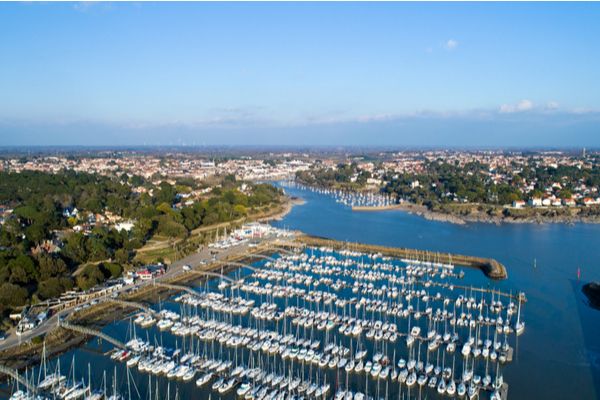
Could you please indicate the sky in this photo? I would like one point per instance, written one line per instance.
(401, 74)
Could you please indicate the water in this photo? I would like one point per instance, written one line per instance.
(558, 356)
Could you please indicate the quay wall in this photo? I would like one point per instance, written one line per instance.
(490, 267)
(378, 208)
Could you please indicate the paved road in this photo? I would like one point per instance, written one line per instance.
(204, 256)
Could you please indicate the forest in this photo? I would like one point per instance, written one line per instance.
(38, 201)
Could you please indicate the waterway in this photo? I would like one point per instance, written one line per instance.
(558, 356)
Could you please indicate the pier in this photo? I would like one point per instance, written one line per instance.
(17, 377)
(91, 332)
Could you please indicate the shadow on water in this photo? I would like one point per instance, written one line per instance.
(588, 314)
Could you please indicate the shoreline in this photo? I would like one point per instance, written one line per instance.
(287, 208)
(568, 216)
(482, 217)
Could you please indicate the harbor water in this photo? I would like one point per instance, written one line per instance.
(559, 355)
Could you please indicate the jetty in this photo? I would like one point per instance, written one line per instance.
(378, 208)
(490, 267)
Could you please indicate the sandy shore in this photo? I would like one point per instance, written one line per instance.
(286, 209)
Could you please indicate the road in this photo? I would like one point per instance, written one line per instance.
(202, 257)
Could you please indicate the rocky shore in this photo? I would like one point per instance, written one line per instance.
(534, 216)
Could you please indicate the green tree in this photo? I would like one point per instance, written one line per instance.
(12, 296)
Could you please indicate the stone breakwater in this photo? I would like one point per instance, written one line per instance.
(490, 267)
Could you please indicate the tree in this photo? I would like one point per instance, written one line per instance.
(112, 269)
(53, 287)
(51, 266)
(75, 247)
(90, 277)
(22, 269)
(565, 194)
(12, 296)
(123, 256)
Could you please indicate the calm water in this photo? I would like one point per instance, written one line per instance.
(558, 356)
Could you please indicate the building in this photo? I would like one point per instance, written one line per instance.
(518, 203)
(144, 274)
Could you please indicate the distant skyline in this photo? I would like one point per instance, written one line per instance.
(347, 74)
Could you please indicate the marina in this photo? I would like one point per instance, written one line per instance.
(357, 201)
(264, 279)
(313, 323)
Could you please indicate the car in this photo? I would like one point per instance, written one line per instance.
(187, 267)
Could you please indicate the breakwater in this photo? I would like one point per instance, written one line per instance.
(378, 208)
(490, 267)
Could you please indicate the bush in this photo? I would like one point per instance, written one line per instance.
(112, 269)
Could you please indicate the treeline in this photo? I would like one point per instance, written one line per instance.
(442, 182)
(345, 176)
(39, 200)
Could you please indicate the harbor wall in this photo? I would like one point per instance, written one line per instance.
(378, 208)
(490, 267)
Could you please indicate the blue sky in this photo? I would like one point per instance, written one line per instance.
(498, 74)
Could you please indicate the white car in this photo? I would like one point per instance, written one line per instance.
(187, 267)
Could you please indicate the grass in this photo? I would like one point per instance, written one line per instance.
(166, 254)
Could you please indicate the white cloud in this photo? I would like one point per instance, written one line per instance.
(523, 105)
(451, 44)
(552, 105)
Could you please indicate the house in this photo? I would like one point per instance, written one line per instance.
(415, 184)
(144, 274)
(588, 201)
(535, 201)
(557, 202)
(568, 202)
(518, 203)
(124, 226)
(546, 201)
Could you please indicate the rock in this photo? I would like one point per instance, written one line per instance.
(592, 292)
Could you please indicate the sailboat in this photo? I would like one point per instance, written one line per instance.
(519, 325)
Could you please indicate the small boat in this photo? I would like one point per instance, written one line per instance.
(218, 383)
